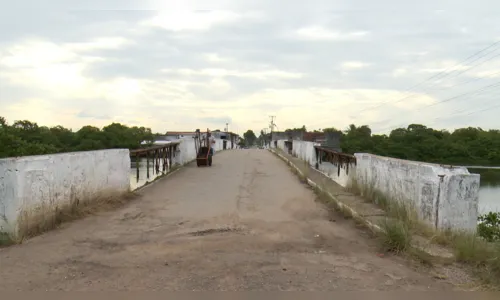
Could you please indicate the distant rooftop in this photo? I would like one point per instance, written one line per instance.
(156, 142)
(179, 132)
(193, 132)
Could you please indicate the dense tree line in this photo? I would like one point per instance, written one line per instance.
(28, 138)
(463, 146)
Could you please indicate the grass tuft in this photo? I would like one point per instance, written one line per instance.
(483, 256)
(43, 218)
(6, 239)
(396, 236)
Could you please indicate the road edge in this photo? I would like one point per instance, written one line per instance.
(376, 229)
(370, 225)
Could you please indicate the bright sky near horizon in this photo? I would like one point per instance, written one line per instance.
(182, 65)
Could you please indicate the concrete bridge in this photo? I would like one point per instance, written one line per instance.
(246, 223)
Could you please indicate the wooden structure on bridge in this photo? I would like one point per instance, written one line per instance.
(160, 156)
(203, 148)
(341, 160)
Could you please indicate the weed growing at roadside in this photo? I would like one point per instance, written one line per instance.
(43, 218)
(396, 236)
(482, 255)
(6, 239)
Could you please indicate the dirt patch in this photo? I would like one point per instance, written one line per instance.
(100, 244)
(214, 231)
(42, 218)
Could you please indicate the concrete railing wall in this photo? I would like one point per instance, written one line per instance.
(43, 184)
(445, 198)
(186, 151)
(37, 184)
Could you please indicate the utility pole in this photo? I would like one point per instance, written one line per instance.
(271, 125)
(264, 139)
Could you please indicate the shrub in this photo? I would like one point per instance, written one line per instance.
(489, 226)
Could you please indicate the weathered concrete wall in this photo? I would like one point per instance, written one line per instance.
(8, 195)
(186, 151)
(281, 145)
(458, 206)
(52, 181)
(445, 198)
(304, 151)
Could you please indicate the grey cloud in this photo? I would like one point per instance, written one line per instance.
(92, 5)
(91, 115)
(65, 26)
(217, 120)
(13, 94)
(395, 27)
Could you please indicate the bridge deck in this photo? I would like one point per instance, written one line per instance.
(244, 224)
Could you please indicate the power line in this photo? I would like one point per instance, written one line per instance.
(462, 95)
(471, 80)
(436, 75)
(485, 109)
(448, 100)
(454, 114)
(452, 99)
(426, 93)
(458, 113)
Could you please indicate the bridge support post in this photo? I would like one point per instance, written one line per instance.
(137, 161)
(147, 164)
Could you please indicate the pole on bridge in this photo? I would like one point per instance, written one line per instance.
(147, 164)
(137, 160)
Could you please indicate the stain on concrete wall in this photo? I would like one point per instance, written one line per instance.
(53, 180)
(427, 204)
(458, 207)
(442, 204)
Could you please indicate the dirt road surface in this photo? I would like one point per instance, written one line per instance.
(246, 223)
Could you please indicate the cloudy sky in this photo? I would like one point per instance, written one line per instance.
(182, 65)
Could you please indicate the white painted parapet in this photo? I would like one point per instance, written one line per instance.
(444, 197)
(185, 151)
(44, 184)
(53, 181)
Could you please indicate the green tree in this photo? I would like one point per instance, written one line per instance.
(28, 138)
(249, 137)
(463, 146)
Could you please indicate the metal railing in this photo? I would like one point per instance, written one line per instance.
(341, 160)
(159, 156)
